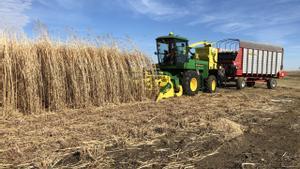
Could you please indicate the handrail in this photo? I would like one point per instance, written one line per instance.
(200, 43)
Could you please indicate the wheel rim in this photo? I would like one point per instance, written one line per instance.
(273, 84)
(213, 85)
(243, 84)
(193, 84)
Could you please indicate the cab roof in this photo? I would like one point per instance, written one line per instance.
(172, 36)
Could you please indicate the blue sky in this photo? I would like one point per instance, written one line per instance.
(276, 21)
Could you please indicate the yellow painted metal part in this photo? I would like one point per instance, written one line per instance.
(204, 43)
(214, 85)
(180, 92)
(162, 81)
(193, 84)
(206, 52)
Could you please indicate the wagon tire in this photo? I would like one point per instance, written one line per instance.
(240, 83)
(271, 83)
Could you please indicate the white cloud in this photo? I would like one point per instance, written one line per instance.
(12, 13)
(68, 4)
(205, 19)
(45, 2)
(65, 4)
(262, 20)
(224, 16)
(156, 9)
(232, 27)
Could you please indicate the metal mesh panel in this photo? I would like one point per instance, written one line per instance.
(260, 57)
(279, 61)
(250, 59)
(265, 62)
(254, 64)
(269, 63)
(245, 54)
(274, 63)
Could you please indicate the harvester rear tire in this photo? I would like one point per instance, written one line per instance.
(240, 83)
(211, 84)
(271, 83)
(187, 79)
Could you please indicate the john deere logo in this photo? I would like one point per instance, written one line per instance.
(199, 65)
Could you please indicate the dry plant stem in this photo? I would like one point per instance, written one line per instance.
(43, 74)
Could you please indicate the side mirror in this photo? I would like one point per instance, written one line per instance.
(155, 53)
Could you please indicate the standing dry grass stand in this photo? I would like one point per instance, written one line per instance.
(42, 74)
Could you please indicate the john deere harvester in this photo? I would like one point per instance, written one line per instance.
(183, 68)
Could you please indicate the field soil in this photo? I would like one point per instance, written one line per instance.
(252, 128)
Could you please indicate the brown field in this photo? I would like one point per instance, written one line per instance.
(253, 128)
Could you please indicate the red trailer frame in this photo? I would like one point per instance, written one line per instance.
(249, 62)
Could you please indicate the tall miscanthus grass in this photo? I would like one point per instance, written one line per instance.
(47, 75)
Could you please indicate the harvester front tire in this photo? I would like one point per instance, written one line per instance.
(190, 83)
(271, 84)
(240, 83)
(211, 84)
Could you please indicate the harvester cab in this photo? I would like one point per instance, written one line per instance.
(181, 71)
(171, 50)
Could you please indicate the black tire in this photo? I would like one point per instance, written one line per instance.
(188, 78)
(211, 84)
(271, 84)
(240, 83)
(250, 84)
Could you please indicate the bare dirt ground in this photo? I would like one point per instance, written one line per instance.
(252, 128)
